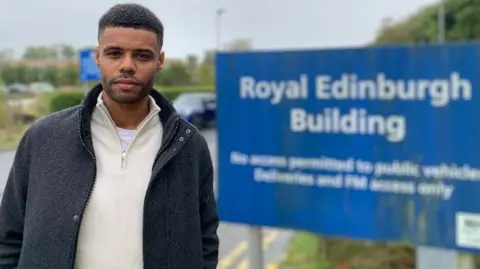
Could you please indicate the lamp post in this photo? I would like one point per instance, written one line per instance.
(218, 24)
(441, 21)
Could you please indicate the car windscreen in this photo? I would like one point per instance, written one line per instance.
(188, 101)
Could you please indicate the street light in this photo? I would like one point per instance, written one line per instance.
(218, 17)
(441, 21)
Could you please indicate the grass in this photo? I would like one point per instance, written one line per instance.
(9, 137)
(308, 251)
(304, 252)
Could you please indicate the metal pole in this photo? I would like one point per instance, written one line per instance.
(255, 249)
(441, 21)
(429, 257)
(218, 24)
(435, 258)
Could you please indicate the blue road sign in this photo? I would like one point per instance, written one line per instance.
(369, 143)
(87, 66)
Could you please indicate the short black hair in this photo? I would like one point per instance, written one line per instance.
(132, 16)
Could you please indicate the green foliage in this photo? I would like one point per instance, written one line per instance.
(55, 64)
(172, 92)
(462, 23)
(63, 100)
(304, 252)
(55, 52)
(4, 117)
(57, 76)
(175, 74)
(310, 251)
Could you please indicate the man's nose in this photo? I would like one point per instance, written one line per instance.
(128, 65)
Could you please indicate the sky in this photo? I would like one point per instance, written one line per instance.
(190, 25)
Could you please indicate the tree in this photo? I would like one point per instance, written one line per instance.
(174, 74)
(209, 58)
(53, 52)
(462, 24)
(241, 44)
(56, 64)
(40, 53)
(205, 73)
(68, 52)
(6, 55)
(56, 75)
(192, 63)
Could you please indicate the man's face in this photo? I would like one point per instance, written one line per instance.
(128, 60)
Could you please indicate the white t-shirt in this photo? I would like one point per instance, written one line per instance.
(125, 136)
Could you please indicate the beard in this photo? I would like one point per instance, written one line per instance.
(140, 90)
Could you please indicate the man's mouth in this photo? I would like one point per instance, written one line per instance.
(126, 82)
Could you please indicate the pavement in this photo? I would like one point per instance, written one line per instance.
(233, 237)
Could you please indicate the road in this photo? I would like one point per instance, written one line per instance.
(233, 244)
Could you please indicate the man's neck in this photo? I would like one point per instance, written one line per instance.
(127, 116)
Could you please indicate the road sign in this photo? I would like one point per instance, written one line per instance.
(87, 66)
(368, 143)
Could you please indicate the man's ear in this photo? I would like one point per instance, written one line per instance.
(161, 60)
(97, 55)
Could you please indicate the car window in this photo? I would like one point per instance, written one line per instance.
(187, 100)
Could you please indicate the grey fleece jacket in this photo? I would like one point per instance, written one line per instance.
(53, 175)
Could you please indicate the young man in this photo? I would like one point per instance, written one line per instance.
(119, 181)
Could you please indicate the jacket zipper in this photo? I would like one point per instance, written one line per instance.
(74, 266)
(140, 127)
(110, 122)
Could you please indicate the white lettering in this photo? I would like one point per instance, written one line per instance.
(275, 91)
(275, 176)
(440, 91)
(357, 121)
(389, 177)
(435, 189)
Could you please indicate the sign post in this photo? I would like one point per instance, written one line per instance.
(88, 69)
(366, 143)
(255, 248)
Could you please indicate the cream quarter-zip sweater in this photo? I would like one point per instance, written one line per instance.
(111, 232)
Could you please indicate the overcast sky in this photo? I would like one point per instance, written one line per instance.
(190, 24)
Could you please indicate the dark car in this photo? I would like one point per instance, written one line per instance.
(17, 88)
(199, 108)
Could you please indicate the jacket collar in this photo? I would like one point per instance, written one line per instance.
(168, 116)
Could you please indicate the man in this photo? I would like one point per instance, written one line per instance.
(119, 181)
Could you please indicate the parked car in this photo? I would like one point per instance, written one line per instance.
(198, 108)
(40, 87)
(17, 88)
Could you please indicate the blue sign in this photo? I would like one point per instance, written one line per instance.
(88, 67)
(377, 143)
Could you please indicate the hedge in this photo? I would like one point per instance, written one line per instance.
(62, 100)
(172, 92)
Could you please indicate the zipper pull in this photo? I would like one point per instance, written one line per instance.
(123, 159)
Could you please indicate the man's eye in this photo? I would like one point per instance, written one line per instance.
(114, 54)
(143, 56)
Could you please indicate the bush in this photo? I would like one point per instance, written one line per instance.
(172, 92)
(64, 100)
(4, 116)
